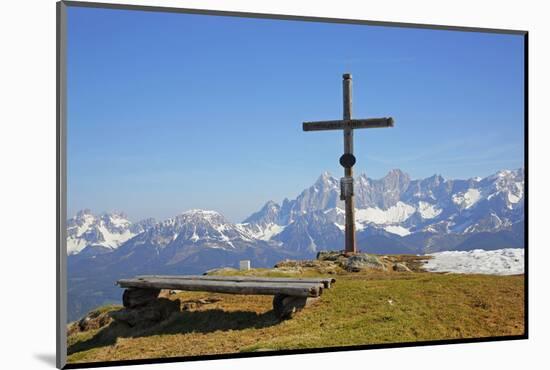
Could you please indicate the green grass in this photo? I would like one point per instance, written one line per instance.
(356, 311)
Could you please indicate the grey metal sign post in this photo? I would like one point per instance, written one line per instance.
(347, 160)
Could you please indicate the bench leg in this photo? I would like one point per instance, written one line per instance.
(286, 306)
(138, 297)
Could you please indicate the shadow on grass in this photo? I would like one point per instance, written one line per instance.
(182, 322)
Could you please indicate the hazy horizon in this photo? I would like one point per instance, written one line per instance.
(169, 112)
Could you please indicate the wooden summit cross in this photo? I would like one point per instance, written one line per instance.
(347, 160)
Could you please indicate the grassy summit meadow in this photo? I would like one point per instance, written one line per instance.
(371, 306)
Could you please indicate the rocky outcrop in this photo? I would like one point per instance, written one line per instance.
(154, 312)
(334, 262)
(92, 321)
(363, 261)
(401, 267)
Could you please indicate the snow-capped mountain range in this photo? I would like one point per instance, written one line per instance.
(394, 214)
(108, 230)
(393, 206)
(398, 206)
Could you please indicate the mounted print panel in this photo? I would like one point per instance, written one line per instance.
(236, 185)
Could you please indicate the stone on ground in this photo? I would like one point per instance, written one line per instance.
(156, 311)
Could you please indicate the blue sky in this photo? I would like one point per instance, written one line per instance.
(168, 112)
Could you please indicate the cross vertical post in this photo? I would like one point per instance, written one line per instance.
(350, 246)
(347, 160)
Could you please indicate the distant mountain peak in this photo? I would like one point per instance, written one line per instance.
(84, 212)
(325, 178)
(396, 172)
(268, 214)
(270, 204)
(201, 215)
(201, 212)
(510, 173)
(436, 179)
(115, 214)
(109, 230)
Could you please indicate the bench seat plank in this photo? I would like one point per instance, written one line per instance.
(297, 289)
(327, 282)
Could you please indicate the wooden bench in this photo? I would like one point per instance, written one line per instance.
(290, 294)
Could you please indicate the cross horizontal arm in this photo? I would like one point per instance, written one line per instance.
(351, 123)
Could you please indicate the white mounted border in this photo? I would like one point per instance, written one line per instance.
(174, 6)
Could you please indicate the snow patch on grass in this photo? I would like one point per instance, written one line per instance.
(508, 261)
